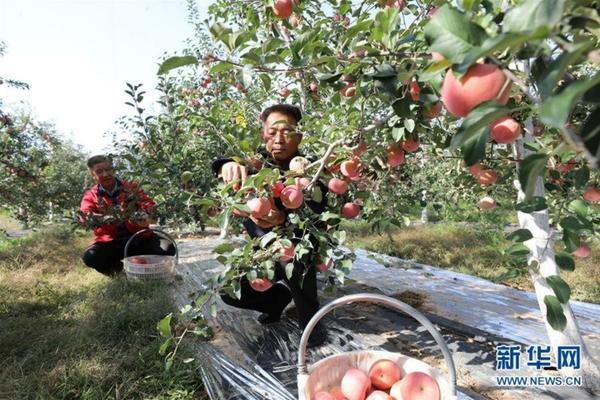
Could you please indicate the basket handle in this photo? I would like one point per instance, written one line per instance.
(390, 303)
(159, 233)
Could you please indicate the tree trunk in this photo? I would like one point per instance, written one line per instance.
(541, 248)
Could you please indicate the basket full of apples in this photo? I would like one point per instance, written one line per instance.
(371, 374)
(150, 267)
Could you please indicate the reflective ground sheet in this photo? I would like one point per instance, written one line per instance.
(249, 361)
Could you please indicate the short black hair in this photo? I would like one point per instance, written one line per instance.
(97, 160)
(287, 109)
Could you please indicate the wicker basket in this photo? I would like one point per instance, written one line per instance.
(157, 267)
(328, 372)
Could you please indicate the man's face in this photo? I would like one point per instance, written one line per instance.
(104, 174)
(280, 137)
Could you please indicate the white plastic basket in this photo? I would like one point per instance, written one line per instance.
(158, 267)
(328, 372)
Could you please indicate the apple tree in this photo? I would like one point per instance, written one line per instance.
(511, 87)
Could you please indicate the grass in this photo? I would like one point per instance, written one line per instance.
(68, 332)
(471, 249)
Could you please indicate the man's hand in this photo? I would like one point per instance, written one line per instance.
(273, 218)
(232, 171)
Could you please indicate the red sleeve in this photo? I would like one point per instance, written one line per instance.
(88, 204)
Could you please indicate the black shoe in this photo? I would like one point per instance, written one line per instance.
(318, 336)
(265, 319)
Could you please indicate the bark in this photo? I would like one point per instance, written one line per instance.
(541, 248)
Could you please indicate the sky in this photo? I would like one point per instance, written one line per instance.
(77, 55)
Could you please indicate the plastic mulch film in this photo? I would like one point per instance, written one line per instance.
(249, 361)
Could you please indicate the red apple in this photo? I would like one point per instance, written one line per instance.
(384, 373)
(359, 150)
(349, 168)
(261, 284)
(433, 111)
(487, 203)
(323, 396)
(138, 260)
(379, 395)
(337, 186)
(355, 384)
(337, 394)
(482, 82)
(416, 386)
(395, 156)
(582, 251)
(287, 254)
(475, 169)
(277, 188)
(505, 130)
(592, 195)
(348, 91)
(259, 207)
(487, 177)
(283, 8)
(292, 197)
(350, 210)
(415, 91)
(410, 145)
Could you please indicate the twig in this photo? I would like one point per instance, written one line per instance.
(330, 149)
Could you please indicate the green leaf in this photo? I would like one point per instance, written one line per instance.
(164, 326)
(572, 223)
(520, 235)
(518, 249)
(571, 240)
(554, 313)
(221, 67)
(478, 119)
(534, 204)
(224, 248)
(176, 62)
(473, 149)
(452, 34)
(531, 167)
(533, 14)
(162, 350)
(556, 110)
(340, 237)
(579, 207)
(555, 71)
(565, 261)
(560, 287)
(289, 270)
(266, 81)
(267, 239)
(317, 194)
(490, 46)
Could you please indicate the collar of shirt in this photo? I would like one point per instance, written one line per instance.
(112, 193)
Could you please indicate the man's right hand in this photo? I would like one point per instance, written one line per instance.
(232, 171)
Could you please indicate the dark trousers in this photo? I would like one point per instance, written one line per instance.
(274, 300)
(107, 257)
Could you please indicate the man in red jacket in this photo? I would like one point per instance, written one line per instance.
(109, 197)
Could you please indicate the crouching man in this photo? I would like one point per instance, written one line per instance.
(99, 204)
